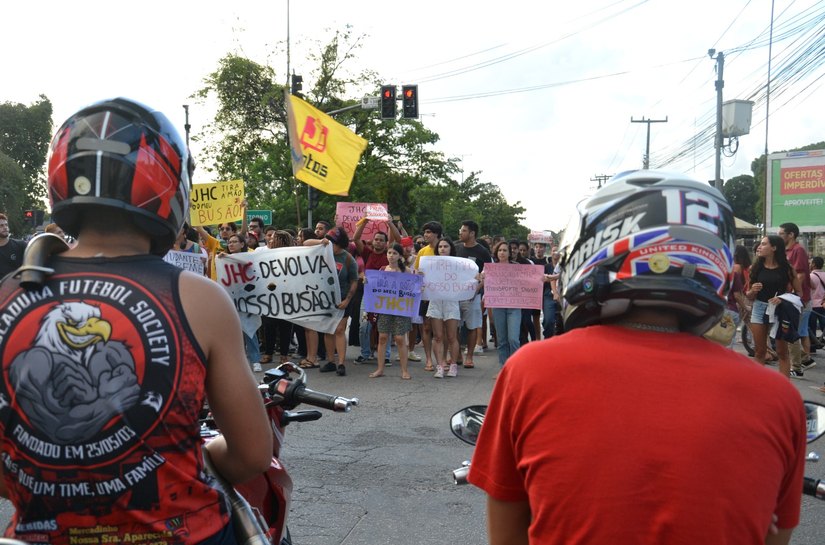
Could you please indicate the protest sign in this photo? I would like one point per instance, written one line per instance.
(347, 215)
(393, 293)
(185, 260)
(216, 202)
(545, 237)
(507, 285)
(295, 283)
(448, 278)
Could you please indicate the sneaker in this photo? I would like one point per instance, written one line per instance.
(361, 359)
(328, 367)
(439, 372)
(797, 374)
(341, 371)
(412, 356)
(807, 364)
(478, 350)
(256, 367)
(453, 372)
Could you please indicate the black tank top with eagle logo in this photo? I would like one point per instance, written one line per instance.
(102, 383)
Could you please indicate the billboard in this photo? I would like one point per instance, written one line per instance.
(796, 190)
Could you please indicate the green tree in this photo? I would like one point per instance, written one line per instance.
(12, 183)
(25, 132)
(743, 196)
(399, 166)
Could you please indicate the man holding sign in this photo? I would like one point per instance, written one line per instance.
(471, 309)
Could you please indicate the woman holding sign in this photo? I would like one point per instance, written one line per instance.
(336, 343)
(445, 316)
(388, 324)
(507, 320)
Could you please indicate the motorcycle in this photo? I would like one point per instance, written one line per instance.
(466, 425)
(260, 507)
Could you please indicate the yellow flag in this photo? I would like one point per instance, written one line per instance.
(324, 153)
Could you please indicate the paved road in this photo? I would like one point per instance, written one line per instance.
(381, 474)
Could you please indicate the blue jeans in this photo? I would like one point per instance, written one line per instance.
(364, 334)
(508, 326)
(548, 319)
(253, 349)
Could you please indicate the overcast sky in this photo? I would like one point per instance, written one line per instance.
(593, 65)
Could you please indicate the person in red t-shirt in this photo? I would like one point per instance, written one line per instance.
(375, 258)
(640, 441)
(800, 350)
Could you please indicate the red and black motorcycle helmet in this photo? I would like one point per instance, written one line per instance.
(123, 155)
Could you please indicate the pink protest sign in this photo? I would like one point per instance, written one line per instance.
(508, 285)
(347, 215)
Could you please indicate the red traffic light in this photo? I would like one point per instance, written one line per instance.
(28, 214)
(388, 105)
(409, 96)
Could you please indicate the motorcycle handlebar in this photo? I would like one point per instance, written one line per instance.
(324, 401)
(814, 487)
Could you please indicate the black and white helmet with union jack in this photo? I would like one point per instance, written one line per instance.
(648, 239)
(122, 155)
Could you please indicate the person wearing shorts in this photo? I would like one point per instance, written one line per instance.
(471, 315)
(444, 316)
(397, 326)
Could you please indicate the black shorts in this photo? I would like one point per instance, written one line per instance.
(422, 310)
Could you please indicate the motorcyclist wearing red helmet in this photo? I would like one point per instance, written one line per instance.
(105, 367)
(630, 427)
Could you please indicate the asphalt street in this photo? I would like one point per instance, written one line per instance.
(381, 474)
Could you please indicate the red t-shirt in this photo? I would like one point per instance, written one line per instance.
(373, 261)
(798, 258)
(624, 436)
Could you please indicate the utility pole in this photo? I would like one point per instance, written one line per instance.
(720, 84)
(646, 164)
(186, 127)
(601, 178)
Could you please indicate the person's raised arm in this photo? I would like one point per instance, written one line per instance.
(359, 230)
(395, 234)
(245, 449)
(244, 224)
(402, 230)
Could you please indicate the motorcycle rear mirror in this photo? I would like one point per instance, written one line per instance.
(815, 420)
(466, 423)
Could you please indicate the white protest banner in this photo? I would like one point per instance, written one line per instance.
(295, 283)
(448, 278)
(347, 215)
(545, 237)
(508, 285)
(185, 260)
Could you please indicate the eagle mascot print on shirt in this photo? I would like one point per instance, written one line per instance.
(76, 377)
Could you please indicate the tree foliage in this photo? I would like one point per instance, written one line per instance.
(400, 166)
(24, 141)
(743, 196)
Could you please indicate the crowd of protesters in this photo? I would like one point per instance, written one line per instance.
(452, 333)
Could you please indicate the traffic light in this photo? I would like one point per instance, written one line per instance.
(409, 99)
(297, 85)
(388, 104)
(312, 197)
(28, 217)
